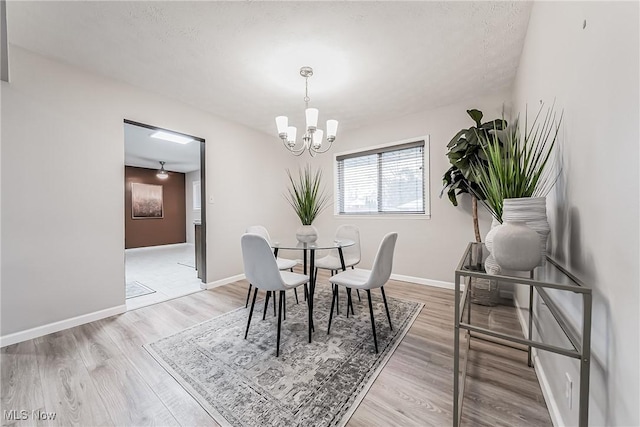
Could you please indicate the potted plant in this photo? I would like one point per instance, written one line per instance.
(465, 152)
(516, 165)
(516, 180)
(308, 199)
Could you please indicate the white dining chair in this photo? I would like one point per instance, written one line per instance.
(261, 269)
(377, 277)
(283, 264)
(351, 255)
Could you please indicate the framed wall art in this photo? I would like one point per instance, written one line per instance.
(146, 201)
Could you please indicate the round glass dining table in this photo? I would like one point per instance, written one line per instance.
(309, 253)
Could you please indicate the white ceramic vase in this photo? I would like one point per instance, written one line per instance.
(488, 240)
(532, 211)
(307, 234)
(516, 246)
(491, 266)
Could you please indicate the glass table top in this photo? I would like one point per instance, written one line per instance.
(292, 243)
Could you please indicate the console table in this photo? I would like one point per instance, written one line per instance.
(540, 280)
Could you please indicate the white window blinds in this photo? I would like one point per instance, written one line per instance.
(388, 180)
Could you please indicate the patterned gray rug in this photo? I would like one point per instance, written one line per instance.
(241, 382)
(136, 289)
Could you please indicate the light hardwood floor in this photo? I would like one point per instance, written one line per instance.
(98, 374)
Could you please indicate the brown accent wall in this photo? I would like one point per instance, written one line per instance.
(155, 231)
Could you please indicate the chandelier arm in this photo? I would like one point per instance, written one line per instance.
(295, 151)
(322, 151)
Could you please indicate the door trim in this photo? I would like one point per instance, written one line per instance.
(203, 191)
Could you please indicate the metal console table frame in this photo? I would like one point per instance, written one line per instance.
(549, 276)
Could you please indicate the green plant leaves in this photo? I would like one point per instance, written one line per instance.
(465, 152)
(476, 116)
(305, 194)
(516, 164)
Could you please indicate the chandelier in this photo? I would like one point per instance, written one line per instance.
(312, 140)
(162, 174)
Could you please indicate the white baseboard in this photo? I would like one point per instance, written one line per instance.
(423, 281)
(399, 277)
(554, 410)
(222, 282)
(50, 328)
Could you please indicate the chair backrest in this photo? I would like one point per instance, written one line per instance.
(260, 266)
(350, 232)
(383, 263)
(259, 230)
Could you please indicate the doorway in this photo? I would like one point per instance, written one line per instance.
(165, 214)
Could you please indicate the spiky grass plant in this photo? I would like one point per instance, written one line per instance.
(306, 196)
(517, 165)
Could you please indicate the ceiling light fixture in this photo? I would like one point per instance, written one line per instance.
(313, 137)
(173, 137)
(162, 174)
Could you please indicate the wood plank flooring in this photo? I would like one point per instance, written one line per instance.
(98, 374)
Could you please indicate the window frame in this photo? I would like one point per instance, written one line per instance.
(426, 172)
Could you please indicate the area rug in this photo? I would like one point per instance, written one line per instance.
(136, 289)
(242, 383)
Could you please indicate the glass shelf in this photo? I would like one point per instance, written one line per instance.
(551, 275)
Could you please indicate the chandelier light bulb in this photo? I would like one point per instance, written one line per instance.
(291, 135)
(312, 118)
(317, 138)
(282, 122)
(332, 128)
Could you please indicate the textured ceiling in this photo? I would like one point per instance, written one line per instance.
(143, 151)
(241, 60)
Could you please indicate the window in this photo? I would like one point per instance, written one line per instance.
(383, 180)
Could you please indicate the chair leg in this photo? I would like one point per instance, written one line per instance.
(306, 291)
(246, 304)
(295, 291)
(349, 302)
(373, 323)
(333, 301)
(284, 308)
(386, 307)
(266, 305)
(253, 303)
(280, 304)
(274, 304)
(337, 300)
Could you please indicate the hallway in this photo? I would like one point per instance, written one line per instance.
(166, 272)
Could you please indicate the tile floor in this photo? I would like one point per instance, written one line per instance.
(169, 270)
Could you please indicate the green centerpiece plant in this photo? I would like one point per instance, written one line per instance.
(308, 198)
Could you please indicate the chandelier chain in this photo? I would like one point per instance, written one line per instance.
(306, 92)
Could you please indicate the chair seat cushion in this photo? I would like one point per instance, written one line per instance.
(356, 278)
(286, 264)
(291, 280)
(332, 262)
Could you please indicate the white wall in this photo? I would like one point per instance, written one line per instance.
(593, 211)
(426, 248)
(63, 192)
(192, 214)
